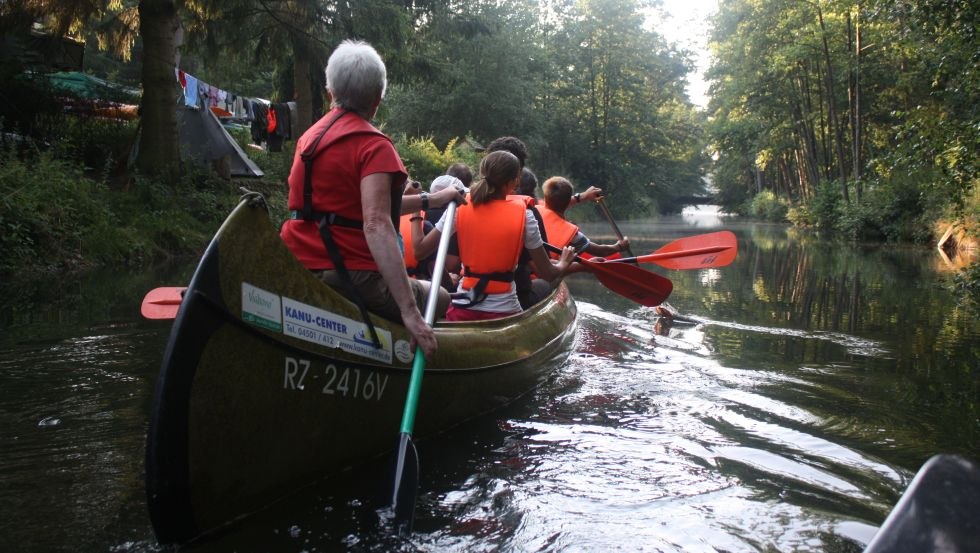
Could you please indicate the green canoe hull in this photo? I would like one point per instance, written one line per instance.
(268, 384)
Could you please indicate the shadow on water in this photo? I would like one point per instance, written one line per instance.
(786, 410)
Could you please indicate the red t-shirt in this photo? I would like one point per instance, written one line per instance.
(351, 150)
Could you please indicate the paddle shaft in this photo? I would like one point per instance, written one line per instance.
(418, 366)
(612, 222)
(654, 257)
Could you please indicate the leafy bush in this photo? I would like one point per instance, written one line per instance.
(43, 204)
(766, 206)
(425, 161)
(98, 144)
(966, 285)
(801, 216)
(52, 217)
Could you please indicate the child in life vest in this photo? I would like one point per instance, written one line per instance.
(492, 231)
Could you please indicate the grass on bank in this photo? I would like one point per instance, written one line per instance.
(71, 203)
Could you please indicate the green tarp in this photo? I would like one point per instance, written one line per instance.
(82, 85)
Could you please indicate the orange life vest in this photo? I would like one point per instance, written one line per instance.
(528, 200)
(491, 237)
(405, 230)
(560, 232)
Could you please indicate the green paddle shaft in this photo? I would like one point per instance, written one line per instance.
(418, 366)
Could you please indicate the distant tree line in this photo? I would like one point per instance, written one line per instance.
(596, 94)
(856, 117)
(860, 115)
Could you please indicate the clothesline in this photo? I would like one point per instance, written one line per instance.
(271, 122)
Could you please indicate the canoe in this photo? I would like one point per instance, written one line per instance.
(268, 382)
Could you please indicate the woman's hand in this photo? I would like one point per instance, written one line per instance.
(446, 195)
(566, 259)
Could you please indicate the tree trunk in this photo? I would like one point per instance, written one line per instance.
(832, 108)
(856, 125)
(303, 89)
(159, 152)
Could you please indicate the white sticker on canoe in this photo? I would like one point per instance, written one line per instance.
(316, 325)
(261, 307)
(403, 351)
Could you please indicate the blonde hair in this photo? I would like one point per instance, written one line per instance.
(496, 171)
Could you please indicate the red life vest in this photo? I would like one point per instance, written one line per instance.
(491, 237)
(405, 229)
(560, 232)
(336, 190)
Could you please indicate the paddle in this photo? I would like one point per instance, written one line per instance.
(716, 249)
(406, 481)
(629, 281)
(163, 302)
(601, 203)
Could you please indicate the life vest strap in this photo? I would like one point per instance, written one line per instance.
(325, 221)
(330, 218)
(478, 293)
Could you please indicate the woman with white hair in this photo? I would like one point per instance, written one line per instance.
(345, 198)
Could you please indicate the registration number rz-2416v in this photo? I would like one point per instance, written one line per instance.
(333, 380)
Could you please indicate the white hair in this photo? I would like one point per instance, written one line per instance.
(356, 76)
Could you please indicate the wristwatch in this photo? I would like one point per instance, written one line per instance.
(578, 197)
(425, 201)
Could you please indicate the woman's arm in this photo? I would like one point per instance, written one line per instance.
(548, 270)
(382, 241)
(605, 250)
(424, 246)
(424, 200)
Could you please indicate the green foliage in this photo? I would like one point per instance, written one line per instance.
(425, 161)
(786, 76)
(29, 107)
(95, 143)
(52, 217)
(966, 285)
(596, 95)
(767, 207)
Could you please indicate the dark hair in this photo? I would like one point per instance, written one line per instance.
(496, 170)
(462, 172)
(557, 193)
(510, 144)
(528, 185)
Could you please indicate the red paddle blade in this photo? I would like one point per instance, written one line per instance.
(703, 251)
(163, 302)
(630, 281)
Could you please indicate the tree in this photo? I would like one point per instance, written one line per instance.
(158, 147)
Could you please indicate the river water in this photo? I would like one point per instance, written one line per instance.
(788, 414)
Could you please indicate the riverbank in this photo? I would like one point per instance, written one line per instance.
(58, 217)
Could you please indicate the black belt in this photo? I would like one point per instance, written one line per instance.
(331, 219)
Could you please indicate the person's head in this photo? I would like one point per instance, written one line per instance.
(510, 144)
(557, 194)
(445, 181)
(462, 172)
(529, 183)
(499, 173)
(356, 78)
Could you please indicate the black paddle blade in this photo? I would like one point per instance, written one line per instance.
(406, 484)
